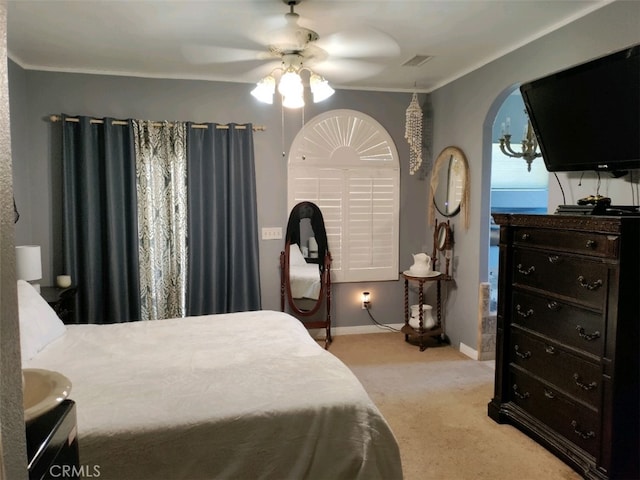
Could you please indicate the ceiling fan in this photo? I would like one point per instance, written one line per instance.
(293, 49)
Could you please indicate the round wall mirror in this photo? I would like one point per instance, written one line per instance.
(450, 184)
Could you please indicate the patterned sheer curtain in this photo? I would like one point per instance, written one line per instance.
(161, 174)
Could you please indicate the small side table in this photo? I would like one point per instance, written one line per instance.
(62, 300)
(52, 444)
(420, 334)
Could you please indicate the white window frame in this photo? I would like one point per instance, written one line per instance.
(345, 162)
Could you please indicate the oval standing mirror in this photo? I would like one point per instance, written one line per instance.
(449, 184)
(305, 267)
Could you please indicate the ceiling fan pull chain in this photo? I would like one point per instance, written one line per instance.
(282, 128)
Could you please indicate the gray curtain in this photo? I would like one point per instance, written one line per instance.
(223, 273)
(100, 242)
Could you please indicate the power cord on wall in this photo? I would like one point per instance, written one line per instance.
(381, 325)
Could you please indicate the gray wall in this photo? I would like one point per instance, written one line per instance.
(38, 182)
(464, 113)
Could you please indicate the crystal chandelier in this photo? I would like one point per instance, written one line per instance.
(529, 143)
(290, 86)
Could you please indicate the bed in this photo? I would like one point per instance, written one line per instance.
(235, 396)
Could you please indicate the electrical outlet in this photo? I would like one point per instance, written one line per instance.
(271, 233)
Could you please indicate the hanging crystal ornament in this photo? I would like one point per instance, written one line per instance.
(413, 134)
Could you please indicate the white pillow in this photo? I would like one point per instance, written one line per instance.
(295, 255)
(39, 324)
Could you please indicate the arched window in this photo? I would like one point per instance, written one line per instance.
(346, 163)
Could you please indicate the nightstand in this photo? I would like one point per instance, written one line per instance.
(62, 300)
(52, 444)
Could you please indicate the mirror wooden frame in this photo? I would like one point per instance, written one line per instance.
(443, 160)
(324, 271)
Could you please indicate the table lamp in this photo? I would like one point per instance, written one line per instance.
(29, 264)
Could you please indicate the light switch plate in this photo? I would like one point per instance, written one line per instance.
(271, 233)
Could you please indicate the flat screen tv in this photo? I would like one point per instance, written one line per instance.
(587, 117)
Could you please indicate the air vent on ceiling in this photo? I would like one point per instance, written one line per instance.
(417, 61)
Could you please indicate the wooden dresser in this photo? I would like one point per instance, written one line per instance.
(567, 354)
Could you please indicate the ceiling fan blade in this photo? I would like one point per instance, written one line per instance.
(359, 42)
(337, 70)
(208, 54)
(263, 70)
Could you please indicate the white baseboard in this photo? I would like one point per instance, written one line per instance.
(468, 351)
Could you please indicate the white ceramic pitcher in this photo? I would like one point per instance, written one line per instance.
(427, 318)
(421, 265)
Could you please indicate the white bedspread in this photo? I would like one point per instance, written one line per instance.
(237, 396)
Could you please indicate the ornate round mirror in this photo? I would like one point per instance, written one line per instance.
(449, 184)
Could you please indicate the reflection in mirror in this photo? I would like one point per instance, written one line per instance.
(449, 192)
(305, 268)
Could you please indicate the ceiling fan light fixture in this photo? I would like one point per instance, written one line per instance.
(320, 88)
(290, 84)
(293, 101)
(265, 89)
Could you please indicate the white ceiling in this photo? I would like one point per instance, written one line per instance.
(367, 40)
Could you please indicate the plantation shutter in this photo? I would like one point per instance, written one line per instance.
(346, 163)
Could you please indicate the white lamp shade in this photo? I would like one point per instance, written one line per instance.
(28, 262)
(320, 88)
(290, 84)
(293, 101)
(265, 89)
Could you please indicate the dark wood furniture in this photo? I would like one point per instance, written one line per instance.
(421, 334)
(52, 444)
(62, 300)
(567, 360)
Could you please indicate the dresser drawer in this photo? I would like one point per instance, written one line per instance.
(571, 374)
(565, 323)
(593, 244)
(575, 422)
(572, 277)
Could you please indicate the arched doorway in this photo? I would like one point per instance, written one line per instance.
(513, 188)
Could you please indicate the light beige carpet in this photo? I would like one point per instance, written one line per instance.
(436, 404)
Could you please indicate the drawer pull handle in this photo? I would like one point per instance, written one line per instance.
(524, 355)
(521, 396)
(554, 259)
(555, 306)
(525, 236)
(550, 350)
(587, 336)
(528, 271)
(591, 244)
(585, 435)
(549, 394)
(584, 386)
(526, 314)
(589, 286)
